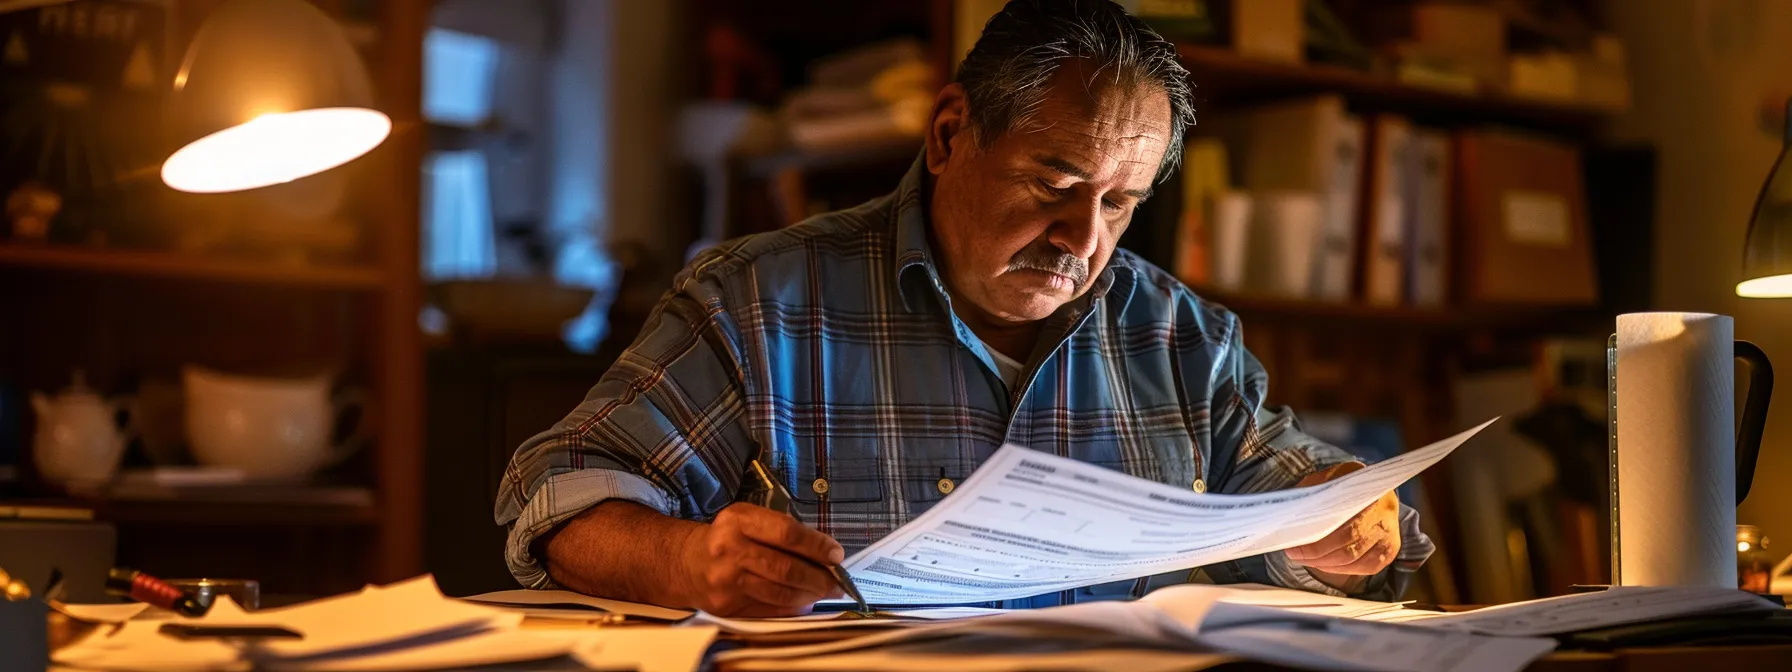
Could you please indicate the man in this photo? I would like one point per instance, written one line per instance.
(874, 357)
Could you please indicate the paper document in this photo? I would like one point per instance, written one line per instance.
(1343, 644)
(103, 613)
(1089, 660)
(402, 611)
(843, 620)
(571, 600)
(646, 648)
(1193, 604)
(1106, 621)
(1619, 605)
(488, 648)
(405, 626)
(1027, 523)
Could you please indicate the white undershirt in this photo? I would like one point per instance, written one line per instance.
(1006, 366)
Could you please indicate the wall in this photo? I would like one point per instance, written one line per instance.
(1700, 70)
(646, 89)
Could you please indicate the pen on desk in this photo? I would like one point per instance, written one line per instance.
(778, 499)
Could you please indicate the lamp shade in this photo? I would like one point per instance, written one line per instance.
(269, 91)
(1767, 256)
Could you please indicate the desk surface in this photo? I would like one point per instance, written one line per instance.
(1661, 659)
(1676, 659)
(1655, 659)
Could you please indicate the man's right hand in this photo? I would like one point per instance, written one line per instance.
(753, 561)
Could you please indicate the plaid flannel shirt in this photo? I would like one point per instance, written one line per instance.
(830, 348)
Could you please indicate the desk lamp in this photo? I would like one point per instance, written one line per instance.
(269, 91)
(1767, 257)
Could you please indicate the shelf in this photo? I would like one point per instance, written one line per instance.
(249, 504)
(1221, 74)
(1558, 318)
(154, 264)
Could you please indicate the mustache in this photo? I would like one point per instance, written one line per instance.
(1048, 259)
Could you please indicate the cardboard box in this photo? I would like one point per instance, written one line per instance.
(1469, 31)
(1269, 29)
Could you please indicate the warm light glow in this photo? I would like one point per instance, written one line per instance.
(1770, 287)
(1742, 547)
(274, 149)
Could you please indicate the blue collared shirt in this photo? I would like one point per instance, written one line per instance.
(831, 350)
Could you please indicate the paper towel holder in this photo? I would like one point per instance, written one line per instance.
(1754, 415)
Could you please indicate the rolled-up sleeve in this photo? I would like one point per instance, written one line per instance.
(1259, 449)
(663, 428)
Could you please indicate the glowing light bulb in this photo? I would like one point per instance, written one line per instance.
(275, 148)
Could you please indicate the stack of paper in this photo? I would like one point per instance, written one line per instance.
(405, 626)
(1216, 623)
(1244, 622)
(1620, 605)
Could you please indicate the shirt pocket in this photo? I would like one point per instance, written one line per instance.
(844, 480)
(924, 485)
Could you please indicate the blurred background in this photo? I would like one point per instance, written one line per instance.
(1427, 213)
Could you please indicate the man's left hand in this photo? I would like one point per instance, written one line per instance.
(1362, 546)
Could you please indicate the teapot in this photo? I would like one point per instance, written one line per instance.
(80, 435)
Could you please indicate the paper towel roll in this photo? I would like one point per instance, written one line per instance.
(1676, 485)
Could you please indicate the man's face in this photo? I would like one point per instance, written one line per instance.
(1027, 224)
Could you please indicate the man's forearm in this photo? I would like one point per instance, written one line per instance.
(623, 551)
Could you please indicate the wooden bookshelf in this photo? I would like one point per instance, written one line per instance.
(1221, 75)
(154, 264)
(298, 505)
(327, 510)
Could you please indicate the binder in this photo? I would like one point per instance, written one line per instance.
(1335, 257)
(1428, 256)
(1385, 230)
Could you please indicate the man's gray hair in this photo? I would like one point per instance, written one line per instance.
(1008, 71)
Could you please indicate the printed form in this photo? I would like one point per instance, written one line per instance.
(1027, 523)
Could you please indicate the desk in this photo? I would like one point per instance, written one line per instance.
(1671, 659)
(1664, 659)
(1656, 659)
(1714, 659)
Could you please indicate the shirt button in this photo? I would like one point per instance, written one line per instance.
(1200, 486)
(820, 486)
(945, 485)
